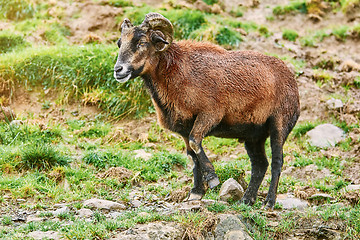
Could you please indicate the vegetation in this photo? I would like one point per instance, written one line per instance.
(62, 156)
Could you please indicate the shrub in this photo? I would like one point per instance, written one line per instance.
(227, 36)
(10, 41)
(17, 9)
(185, 21)
(41, 156)
(341, 33)
(290, 35)
(293, 6)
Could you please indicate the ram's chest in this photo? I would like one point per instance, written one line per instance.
(171, 117)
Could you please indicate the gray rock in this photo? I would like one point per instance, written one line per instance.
(44, 235)
(231, 189)
(320, 196)
(85, 213)
(290, 202)
(230, 227)
(103, 204)
(334, 104)
(135, 203)
(115, 214)
(155, 230)
(352, 188)
(61, 211)
(325, 135)
(141, 153)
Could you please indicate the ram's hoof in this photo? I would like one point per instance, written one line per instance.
(194, 197)
(213, 182)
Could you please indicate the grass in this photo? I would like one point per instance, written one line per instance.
(17, 9)
(292, 7)
(10, 42)
(290, 35)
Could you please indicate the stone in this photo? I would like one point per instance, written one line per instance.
(230, 227)
(334, 104)
(33, 218)
(44, 235)
(325, 135)
(352, 187)
(115, 214)
(141, 153)
(103, 204)
(154, 230)
(61, 211)
(291, 202)
(321, 196)
(85, 213)
(135, 203)
(231, 189)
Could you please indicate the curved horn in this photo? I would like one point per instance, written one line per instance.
(156, 21)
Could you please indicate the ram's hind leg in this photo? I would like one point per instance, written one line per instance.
(259, 164)
(198, 191)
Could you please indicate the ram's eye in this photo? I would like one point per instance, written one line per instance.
(141, 44)
(119, 42)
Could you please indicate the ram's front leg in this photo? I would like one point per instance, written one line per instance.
(203, 125)
(198, 191)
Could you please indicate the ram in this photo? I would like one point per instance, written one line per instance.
(200, 89)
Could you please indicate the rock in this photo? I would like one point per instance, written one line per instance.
(231, 189)
(33, 218)
(352, 187)
(135, 203)
(61, 211)
(141, 153)
(154, 230)
(320, 198)
(103, 204)
(16, 123)
(230, 227)
(190, 206)
(44, 235)
(325, 135)
(334, 104)
(115, 214)
(85, 213)
(290, 202)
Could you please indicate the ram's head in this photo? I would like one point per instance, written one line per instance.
(139, 44)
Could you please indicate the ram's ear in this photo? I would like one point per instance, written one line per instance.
(158, 39)
(126, 24)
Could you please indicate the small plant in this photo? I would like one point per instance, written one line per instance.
(6, 220)
(210, 2)
(228, 37)
(293, 6)
(357, 82)
(10, 41)
(290, 35)
(217, 207)
(341, 33)
(302, 128)
(41, 156)
(17, 9)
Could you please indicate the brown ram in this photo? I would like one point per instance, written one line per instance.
(200, 89)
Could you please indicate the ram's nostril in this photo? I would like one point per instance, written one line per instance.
(118, 69)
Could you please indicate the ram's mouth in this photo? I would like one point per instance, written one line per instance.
(121, 78)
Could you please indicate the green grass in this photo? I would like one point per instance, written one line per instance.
(77, 72)
(10, 42)
(41, 156)
(292, 7)
(290, 35)
(17, 9)
(227, 36)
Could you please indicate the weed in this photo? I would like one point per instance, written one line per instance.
(17, 9)
(96, 130)
(341, 33)
(357, 82)
(322, 76)
(217, 207)
(118, 3)
(220, 145)
(185, 21)
(228, 37)
(6, 220)
(293, 6)
(290, 35)
(41, 156)
(302, 128)
(210, 2)
(232, 169)
(10, 42)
